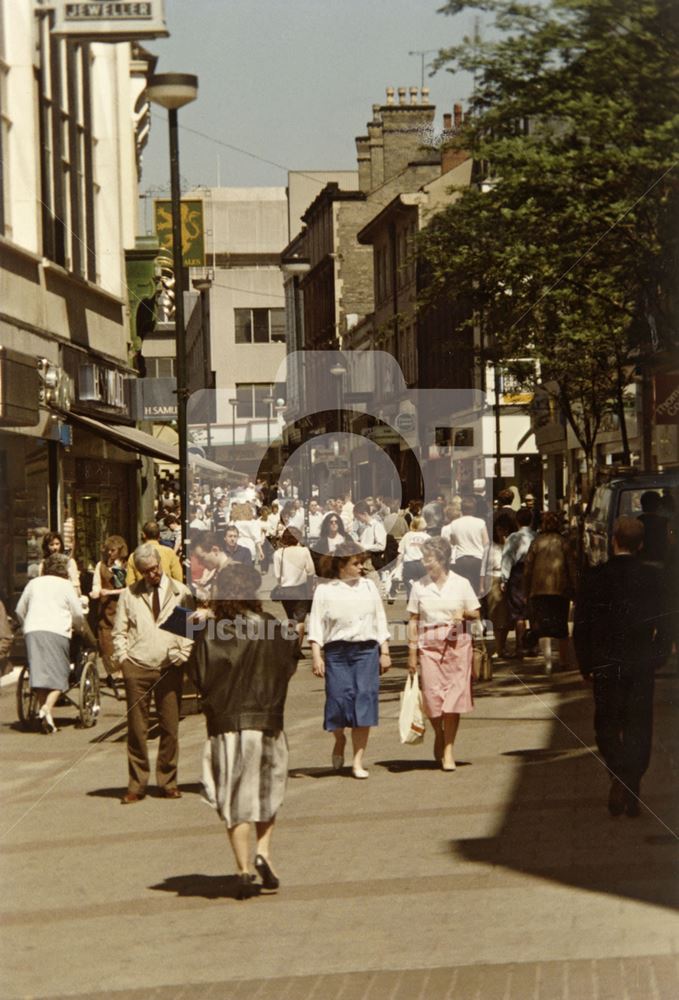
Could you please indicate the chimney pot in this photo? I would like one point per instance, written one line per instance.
(425, 95)
(390, 95)
(457, 108)
(401, 95)
(447, 122)
(413, 95)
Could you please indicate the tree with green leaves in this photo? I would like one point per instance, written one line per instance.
(567, 244)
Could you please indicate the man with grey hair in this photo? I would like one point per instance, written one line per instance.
(151, 659)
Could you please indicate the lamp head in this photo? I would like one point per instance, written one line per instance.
(172, 90)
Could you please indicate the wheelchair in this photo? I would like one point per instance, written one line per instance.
(84, 692)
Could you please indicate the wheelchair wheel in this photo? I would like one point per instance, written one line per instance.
(27, 703)
(90, 701)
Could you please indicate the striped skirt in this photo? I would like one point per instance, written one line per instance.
(245, 774)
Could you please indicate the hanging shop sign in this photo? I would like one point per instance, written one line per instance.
(153, 399)
(111, 20)
(193, 231)
(667, 398)
(19, 389)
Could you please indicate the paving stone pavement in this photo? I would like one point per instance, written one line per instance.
(506, 879)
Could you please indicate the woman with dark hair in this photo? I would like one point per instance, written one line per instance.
(512, 568)
(53, 543)
(439, 647)
(332, 535)
(49, 611)
(549, 584)
(496, 607)
(241, 663)
(108, 583)
(349, 640)
(294, 571)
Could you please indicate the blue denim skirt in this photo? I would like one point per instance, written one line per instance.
(352, 684)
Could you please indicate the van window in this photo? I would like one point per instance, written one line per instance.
(629, 502)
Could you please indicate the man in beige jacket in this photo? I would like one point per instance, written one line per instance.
(151, 659)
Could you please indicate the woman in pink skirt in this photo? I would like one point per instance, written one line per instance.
(439, 647)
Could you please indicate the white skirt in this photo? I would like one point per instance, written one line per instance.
(245, 774)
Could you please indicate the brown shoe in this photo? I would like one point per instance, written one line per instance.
(171, 793)
(131, 797)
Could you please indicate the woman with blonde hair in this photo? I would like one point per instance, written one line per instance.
(410, 553)
(439, 647)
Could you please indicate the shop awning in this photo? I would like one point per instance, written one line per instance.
(132, 439)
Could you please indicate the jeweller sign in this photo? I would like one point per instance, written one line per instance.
(111, 20)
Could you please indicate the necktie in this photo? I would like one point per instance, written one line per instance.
(156, 603)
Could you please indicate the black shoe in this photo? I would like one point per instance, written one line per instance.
(269, 880)
(246, 888)
(632, 805)
(616, 798)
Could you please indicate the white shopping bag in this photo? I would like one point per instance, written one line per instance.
(411, 717)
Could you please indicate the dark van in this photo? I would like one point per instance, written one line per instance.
(620, 496)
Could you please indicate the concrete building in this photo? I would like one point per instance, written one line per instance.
(68, 193)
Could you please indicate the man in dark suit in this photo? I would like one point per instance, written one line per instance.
(619, 641)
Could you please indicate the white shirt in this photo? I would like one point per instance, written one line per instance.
(315, 522)
(410, 546)
(292, 564)
(297, 520)
(441, 604)
(469, 535)
(372, 537)
(49, 604)
(348, 613)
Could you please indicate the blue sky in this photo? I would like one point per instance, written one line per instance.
(291, 81)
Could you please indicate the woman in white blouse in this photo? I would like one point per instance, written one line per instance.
(439, 647)
(349, 640)
(294, 571)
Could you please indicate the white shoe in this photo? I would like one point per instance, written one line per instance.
(359, 772)
(46, 721)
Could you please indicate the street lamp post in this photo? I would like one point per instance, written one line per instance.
(269, 401)
(172, 91)
(233, 403)
(339, 371)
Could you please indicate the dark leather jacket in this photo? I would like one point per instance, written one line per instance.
(620, 619)
(241, 670)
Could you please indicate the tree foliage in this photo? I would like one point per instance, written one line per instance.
(567, 245)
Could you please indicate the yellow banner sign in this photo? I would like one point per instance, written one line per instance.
(193, 232)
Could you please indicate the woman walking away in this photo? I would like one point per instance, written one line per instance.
(349, 641)
(439, 647)
(512, 568)
(49, 611)
(294, 571)
(549, 582)
(107, 585)
(496, 607)
(410, 553)
(241, 670)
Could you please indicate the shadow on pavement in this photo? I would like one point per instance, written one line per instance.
(193, 788)
(203, 886)
(400, 766)
(556, 824)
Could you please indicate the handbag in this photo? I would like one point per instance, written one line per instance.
(411, 722)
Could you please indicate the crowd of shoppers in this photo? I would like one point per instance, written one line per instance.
(332, 564)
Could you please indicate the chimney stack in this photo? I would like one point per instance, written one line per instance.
(457, 108)
(425, 95)
(413, 95)
(401, 95)
(390, 95)
(448, 122)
